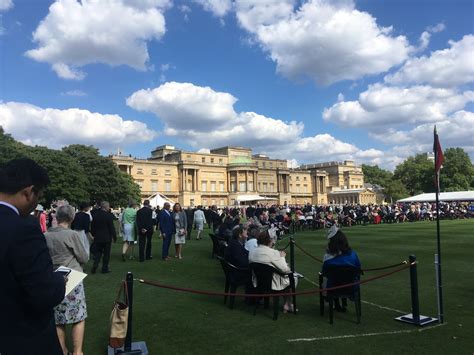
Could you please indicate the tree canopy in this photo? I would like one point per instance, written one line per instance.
(78, 173)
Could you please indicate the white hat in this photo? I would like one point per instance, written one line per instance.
(332, 231)
(39, 208)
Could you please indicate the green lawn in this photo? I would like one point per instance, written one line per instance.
(179, 323)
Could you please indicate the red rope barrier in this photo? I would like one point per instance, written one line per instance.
(371, 269)
(301, 293)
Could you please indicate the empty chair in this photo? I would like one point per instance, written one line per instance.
(234, 277)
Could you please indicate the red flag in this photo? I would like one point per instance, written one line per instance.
(438, 152)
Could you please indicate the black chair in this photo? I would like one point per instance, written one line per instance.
(232, 279)
(340, 275)
(218, 245)
(264, 274)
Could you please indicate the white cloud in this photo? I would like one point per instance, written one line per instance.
(200, 115)
(6, 5)
(185, 10)
(443, 68)
(383, 105)
(292, 164)
(74, 93)
(325, 41)
(436, 28)
(184, 106)
(218, 8)
(455, 131)
(55, 128)
(113, 32)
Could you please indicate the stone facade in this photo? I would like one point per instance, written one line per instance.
(223, 176)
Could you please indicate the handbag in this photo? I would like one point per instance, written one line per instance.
(119, 318)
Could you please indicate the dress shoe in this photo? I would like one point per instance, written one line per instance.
(149, 258)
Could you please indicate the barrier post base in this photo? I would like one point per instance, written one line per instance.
(138, 348)
(423, 320)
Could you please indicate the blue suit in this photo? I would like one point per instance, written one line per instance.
(167, 229)
(29, 288)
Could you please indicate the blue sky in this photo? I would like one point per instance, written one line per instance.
(306, 80)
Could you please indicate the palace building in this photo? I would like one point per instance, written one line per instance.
(230, 176)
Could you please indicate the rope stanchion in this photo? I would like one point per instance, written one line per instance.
(286, 247)
(308, 254)
(404, 262)
(301, 293)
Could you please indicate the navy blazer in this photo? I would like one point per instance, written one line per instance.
(166, 222)
(29, 288)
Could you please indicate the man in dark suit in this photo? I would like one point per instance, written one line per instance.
(190, 219)
(145, 230)
(103, 232)
(29, 288)
(167, 229)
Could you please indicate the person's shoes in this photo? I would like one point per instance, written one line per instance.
(106, 271)
(93, 270)
(289, 309)
(149, 258)
(176, 256)
(180, 257)
(123, 257)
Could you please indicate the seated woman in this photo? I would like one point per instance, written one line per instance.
(67, 249)
(265, 254)
(338, 253)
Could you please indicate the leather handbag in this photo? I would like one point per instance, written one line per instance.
(119, 318)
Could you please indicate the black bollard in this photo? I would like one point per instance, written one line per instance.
(414, 317)
(130, 348)
(292, 254)
(292, 267)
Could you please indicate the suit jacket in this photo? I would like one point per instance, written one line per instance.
(236, 254)
(166, 222)
(102, 227)
(144, 219)
(266, 255)
(29, 288)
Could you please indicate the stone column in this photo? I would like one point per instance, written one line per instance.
(246, 181)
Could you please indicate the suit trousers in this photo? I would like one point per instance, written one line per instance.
(102, 249)
(144, 245)
(166, 244)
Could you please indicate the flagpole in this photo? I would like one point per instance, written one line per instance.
(438, 265)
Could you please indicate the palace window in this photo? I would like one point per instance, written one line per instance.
(221, 186)
(139, 183)
(242, 186)
(154, 185)
(203, 185)
(212, 160)
(167, 185)
(167, 172)
(139, 171)
(153, 172)
(203, 159)
(213, 186)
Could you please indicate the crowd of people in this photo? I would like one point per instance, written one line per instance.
(35, 242)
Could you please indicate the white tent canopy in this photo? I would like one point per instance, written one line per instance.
(247, 198)
(159, 200)
(443, 196)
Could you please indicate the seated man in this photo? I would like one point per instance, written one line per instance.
(237, 255)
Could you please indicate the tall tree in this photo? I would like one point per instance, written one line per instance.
(417, 174)
(105, 180)
(375, 175)
(457, 173)
(68, 180)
